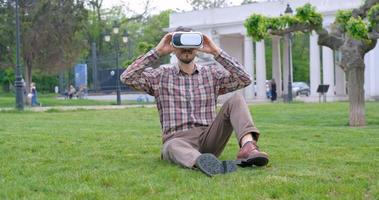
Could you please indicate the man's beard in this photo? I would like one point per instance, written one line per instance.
(188, 61)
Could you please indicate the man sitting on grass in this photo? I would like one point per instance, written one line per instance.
(186, 95)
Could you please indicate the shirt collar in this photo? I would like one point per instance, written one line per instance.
(178, 70)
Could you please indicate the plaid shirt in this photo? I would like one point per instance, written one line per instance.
(185, 101)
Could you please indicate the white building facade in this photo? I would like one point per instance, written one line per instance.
(225, 26)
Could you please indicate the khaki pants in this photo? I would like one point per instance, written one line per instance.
(183, 148)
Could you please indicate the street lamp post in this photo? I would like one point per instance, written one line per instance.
(18, 82)
(107, 38)
(289, 11)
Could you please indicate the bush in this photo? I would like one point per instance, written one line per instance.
(45, 83)
(7, 78)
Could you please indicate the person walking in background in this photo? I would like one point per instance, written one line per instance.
(34, 95)
(273, 90)
(268, 89)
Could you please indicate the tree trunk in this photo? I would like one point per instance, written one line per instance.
(28, 80)
(352, 61)
(28, 75)
(356, 92)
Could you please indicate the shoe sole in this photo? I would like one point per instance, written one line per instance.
(210, 165)
(259, 160)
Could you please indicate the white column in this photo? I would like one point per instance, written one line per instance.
(261, 70)
(372, 74)
(173, 58)
(367, 84)
(328, 69)
(285, 66)
(374, 66)
(216, 40)
(276, 64)
(249, 66)
(314, 65)
(340, 81)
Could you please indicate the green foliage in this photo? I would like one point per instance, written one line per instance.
(51, 24)
(258, 26)
(144, 47)
(357, 28)
(276, 23)
(127, 63)
(153, 27)
(307, 14)
(342, 17)
(300, 49)
(373, 14)
(373, 17)
(7, 41)
(146, 34)
(45, 83)
(7, 75)
(7, 78)
(300, 53)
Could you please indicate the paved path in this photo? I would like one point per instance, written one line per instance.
(67, 108)
(129, 97)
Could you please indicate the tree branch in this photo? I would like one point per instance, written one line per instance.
(362, 11)
(368, 46)
(329, 40)
(325, 39)
(139, 17)
(373, 35)
(293, 28)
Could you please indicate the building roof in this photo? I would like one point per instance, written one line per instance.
(238, 14)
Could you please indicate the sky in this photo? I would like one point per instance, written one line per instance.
(156, 5)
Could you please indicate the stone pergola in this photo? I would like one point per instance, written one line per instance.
(225, 26)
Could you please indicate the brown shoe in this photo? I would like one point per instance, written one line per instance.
(250, 155)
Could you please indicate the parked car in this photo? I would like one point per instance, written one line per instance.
(300, 88)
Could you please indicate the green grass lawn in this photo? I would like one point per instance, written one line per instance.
(116, 155)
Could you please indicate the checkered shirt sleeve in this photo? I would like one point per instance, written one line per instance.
(141, 75)
(232, 77)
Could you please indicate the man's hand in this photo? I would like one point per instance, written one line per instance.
(164, 47)
(209, 46)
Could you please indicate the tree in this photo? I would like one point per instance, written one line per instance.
(95, 25)
(51, 34)
(354, 33)
(101, 20)
(147, 33)
(7, 78)
(7, 39)
(154, 25)
(244, 2)
(206, 4)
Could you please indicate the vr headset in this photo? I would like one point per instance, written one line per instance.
(187, 40)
